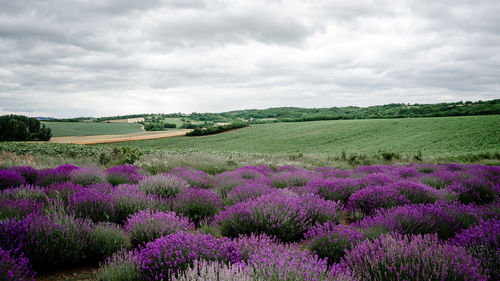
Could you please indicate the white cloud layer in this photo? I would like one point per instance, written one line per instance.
(109, 57)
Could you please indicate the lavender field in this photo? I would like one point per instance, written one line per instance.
(385, 222)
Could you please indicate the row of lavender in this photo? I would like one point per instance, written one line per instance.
(415, 222)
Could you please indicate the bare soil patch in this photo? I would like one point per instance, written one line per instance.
(119, 138)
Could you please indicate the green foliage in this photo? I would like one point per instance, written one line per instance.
(107, 239)
(216, 129)
(22, 128)
(65, 129)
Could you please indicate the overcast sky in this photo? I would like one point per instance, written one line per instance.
(68, 58)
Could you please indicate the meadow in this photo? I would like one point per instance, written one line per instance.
(381, 222)
(66, 129)
(442, 136)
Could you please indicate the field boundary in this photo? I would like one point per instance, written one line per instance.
(103, 139)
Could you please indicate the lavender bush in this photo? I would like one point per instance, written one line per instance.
(297, 177)
(415, 257)
(195, 178)
(93, 203)
(60, 174)
(165, 186)
(417, 193)
(122, 266)
(283, 215)
(18, 208)
(475, 190)
(9, 179)
(338, 189)
(197, 204)
(330, 240)
(248, 191)
(369, 199)
(87, 176)
(56, 239)
(123, 174)
(107, 239)
(30, 174)
(14, 267)
(165, 257)
(216, 271)
(130, 200)
(482, 241)
(149, 225)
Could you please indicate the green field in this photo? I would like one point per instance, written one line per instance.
(431, 136)
(65, 129)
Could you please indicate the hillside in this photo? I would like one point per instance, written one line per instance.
(431, 136)
(64, 129)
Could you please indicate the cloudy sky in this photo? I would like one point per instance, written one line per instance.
(67, 58)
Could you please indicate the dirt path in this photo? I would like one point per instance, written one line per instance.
(119, 138)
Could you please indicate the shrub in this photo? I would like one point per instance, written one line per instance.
(376, 179)
(14, 267)
(289, 263)
(215, 271)
(165, 186)
(417, 193)
(165, 257)
(30, 174)
(444, 219)
(60, 174)
(87, 175)
(293, 178)
(369, 199)
(247, 191)
(330, 172)
(195, 178)
(406, 172)
(122, 266)
(148, 225)
(14, 234)
(130, 200)
(18, 208)
(331, 240)
(62, 190)
(197, 204)
(438, 180)
(10, 179)
(24, 192)
(475, 190)
(482, 241)
(56, 239)
(278, 214)
(335, 189)
(107, 239)
(123, 174)
(226, 181)
(94, 204)
(414, 257)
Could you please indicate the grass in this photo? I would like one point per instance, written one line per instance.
(444, 136)
(65, 129)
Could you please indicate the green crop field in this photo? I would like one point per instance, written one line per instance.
(431, 136)
(65, 129)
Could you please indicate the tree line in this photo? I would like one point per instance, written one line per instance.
(23, 128)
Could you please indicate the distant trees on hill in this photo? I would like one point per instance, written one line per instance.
(22, 128)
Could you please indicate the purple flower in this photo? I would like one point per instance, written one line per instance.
(168, 255)
(148, 225)
(9, 179)
(369, 199)
(297, 177)
(279, 214)
(30, 174)
(335, 188)
(123, 174)
(14, 267)
(18, 208)
(416, 192)
(330, 240)
(197, 204)
(195, 178)
(482, 241)
(475, 190)
(163, 185)
(442, 218)
(247, 191)
(414, 257)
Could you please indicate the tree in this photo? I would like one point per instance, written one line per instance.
(22, 128)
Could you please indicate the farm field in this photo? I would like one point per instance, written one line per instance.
(97, 139)
(251, 223)
(65, 129)
(431, 136)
